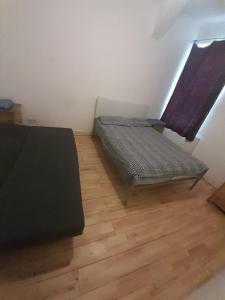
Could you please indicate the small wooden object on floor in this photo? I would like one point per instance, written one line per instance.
(218, 197)
(159, 127)
(11, 116)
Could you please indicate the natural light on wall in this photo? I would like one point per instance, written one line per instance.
(204, 44)
(219, 100)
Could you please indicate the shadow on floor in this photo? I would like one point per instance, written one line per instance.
(25, 261)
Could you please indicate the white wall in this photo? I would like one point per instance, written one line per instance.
(59, 55)
(211, 148)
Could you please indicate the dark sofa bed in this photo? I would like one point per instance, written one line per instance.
(40, 195)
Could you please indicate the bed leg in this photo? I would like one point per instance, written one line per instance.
(197, 180)
(128, 194)
(194, 184)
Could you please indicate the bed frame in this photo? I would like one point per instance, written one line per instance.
(107, 107)
(132, 188)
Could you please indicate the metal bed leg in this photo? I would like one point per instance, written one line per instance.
(128, 194)
(197, 180)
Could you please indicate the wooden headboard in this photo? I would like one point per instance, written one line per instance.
(107, 107)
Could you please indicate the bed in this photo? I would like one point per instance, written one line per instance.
(143, 156)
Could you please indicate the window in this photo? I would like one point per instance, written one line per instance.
(197, 89)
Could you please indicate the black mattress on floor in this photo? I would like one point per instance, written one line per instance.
(40, 196)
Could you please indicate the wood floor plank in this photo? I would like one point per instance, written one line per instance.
(119, 265)
(63, 286)
(106, 292)
(162, 245)
(94, 233)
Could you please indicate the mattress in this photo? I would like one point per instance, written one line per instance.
(11, 142)
(143, 155)
(40, 196)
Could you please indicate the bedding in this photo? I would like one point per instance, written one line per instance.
(143, 155)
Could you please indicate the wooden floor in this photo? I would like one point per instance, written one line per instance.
(163, 245)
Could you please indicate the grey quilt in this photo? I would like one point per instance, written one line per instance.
(143, 155)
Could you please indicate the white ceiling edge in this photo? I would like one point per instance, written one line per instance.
(211, 28)
(198, 11)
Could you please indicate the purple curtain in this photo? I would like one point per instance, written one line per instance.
(198, 87)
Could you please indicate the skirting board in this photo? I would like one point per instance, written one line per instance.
(80, 133)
